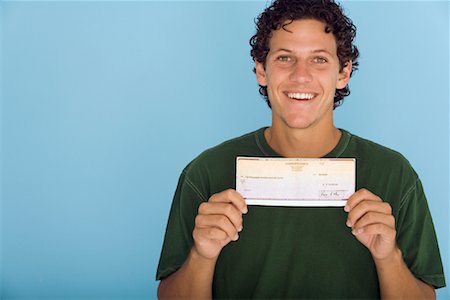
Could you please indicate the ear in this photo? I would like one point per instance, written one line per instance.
(260, 74)
(344, 76)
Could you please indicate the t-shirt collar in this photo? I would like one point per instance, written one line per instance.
(266, 150)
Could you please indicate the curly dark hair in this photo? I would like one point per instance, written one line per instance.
(329, 12)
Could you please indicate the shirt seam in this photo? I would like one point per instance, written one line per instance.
(344, 147)
(258, 143)
(347, 142)
(235, 139)
(410, 190)
(434, 275)
(194, 187)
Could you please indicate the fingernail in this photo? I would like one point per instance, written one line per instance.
(245, 210)
(348, 223)
(240, 228)
(346, 208)
(236, 237)
(357, 231)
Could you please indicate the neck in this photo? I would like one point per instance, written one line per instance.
(305, 143)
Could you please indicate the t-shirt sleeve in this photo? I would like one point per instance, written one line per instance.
(178, 239)
(416, 237)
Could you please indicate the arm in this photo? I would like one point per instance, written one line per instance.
(192, 281)
(397, 281)
(218, 223)
(373, 225)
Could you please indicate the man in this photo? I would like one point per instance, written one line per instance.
(382, 244)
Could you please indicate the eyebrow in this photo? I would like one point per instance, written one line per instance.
(313, 51)
(282, 50)
(322, 51)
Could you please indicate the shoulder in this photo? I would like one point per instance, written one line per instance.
(227, 150)
(383, 171)
(377, 155)
(214, 169)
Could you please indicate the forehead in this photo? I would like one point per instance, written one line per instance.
(304, 34)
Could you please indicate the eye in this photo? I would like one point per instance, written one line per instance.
(320, 60)
(284, 58)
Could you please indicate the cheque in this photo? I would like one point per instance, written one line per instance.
(295, 181)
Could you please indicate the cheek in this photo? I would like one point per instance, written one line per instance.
(275, 78)
(329, 82)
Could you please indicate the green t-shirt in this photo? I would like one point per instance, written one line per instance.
(303, 252)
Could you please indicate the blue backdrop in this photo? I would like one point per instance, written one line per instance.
(103, 104)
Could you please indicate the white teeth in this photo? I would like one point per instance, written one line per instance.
(301, 96)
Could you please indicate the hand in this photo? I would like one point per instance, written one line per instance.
(372, 223)
(218, 222)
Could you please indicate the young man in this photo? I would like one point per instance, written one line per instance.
(382, 244)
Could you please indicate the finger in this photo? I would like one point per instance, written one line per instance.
(221, 208)
(375, 218)
(366, 206)
(358, 196)
(387, 233)
(217, 221)
(231, 196)
(211, 233)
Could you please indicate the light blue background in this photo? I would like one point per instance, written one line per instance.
(103, 104)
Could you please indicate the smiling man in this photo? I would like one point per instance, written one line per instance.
(382, 244)
(301, 73)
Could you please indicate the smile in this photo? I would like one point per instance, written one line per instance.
(301, 96)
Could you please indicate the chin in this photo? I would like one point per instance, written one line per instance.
(298, 122)
(299, 125)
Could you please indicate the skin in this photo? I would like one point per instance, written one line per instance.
(373, 224)
(302, 59)
(218, 222)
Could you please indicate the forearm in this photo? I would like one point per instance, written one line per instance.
(192, 281)
(397, 281)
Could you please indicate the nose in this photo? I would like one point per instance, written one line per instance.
(300, 72)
